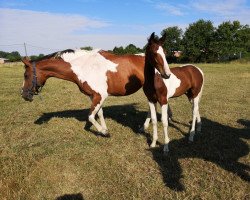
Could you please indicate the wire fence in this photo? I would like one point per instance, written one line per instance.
(26, 48)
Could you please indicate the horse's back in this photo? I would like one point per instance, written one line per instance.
(191, 77)
(189, 73)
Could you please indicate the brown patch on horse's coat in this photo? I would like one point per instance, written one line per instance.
(191, 81)
(129, 77)
(161, 89)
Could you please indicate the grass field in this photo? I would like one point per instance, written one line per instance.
(45, 152)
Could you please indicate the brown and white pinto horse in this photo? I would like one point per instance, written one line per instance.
(162, 83)
(98, 74)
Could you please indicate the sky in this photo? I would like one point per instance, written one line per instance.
(47, 26)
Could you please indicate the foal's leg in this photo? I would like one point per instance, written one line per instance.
(164, 119)
(154, 122)
(196, 115)
(97, 102)
(198, 125)
(147, 121)
(170, 113)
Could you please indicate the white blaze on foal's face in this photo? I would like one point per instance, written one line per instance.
(166, 66)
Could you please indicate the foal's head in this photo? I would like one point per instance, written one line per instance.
(156, 56)
(33, 80)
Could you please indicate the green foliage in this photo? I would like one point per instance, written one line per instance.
(34, 57)
(172, 42)
(88, 48)
(231, 38)
(12, 57)
(130, 49)
(197, 41)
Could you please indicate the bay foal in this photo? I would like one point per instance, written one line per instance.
(162, 83)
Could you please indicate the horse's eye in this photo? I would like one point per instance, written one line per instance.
(25, 76)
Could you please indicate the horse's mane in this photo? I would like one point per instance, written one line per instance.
(54, 55)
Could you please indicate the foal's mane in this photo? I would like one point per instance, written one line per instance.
(54, 55)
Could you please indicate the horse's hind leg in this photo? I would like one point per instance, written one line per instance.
(198, 125)
(101, 117)
(97, 102)
(196, 115)
(147, 121)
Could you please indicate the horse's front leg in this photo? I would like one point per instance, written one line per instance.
(164, 119)
(154, 122)
(97, 102)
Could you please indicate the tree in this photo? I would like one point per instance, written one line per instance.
(197, 41)
(13, 56)
(88, 48)
(244, 37)
(172, 42)
(130, 49)
(118, 50)
(35, 57)
(227, 41)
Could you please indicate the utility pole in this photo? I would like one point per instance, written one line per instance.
(25, 49)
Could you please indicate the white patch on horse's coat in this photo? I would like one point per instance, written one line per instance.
(166, 66)
(140, 54)
(76, 54)
(92, 68)
(172, 83)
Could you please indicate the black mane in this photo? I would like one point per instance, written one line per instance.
(54, 55)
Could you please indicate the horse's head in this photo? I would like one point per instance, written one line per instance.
(156, 55)
(33, 80)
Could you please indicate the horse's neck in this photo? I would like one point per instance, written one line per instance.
(149, 73)
(59, 69)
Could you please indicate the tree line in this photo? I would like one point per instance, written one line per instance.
(200, 42)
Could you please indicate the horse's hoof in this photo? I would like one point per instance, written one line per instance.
(107, 135)
(191, 136)
(152, 145)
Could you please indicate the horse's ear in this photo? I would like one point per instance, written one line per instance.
(163, 38)
(26, 60)
(152, 37)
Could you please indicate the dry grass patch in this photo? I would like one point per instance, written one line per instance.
(45, 152)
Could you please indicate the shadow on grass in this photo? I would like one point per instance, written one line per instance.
(71, 197)
(218, 143)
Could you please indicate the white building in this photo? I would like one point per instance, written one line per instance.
(3, 60)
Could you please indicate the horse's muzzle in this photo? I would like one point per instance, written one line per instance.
(27, 95)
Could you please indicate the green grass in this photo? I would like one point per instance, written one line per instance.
(45, 152)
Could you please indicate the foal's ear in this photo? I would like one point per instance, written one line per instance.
(152, 37)
(26, 60)
(163, 38)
